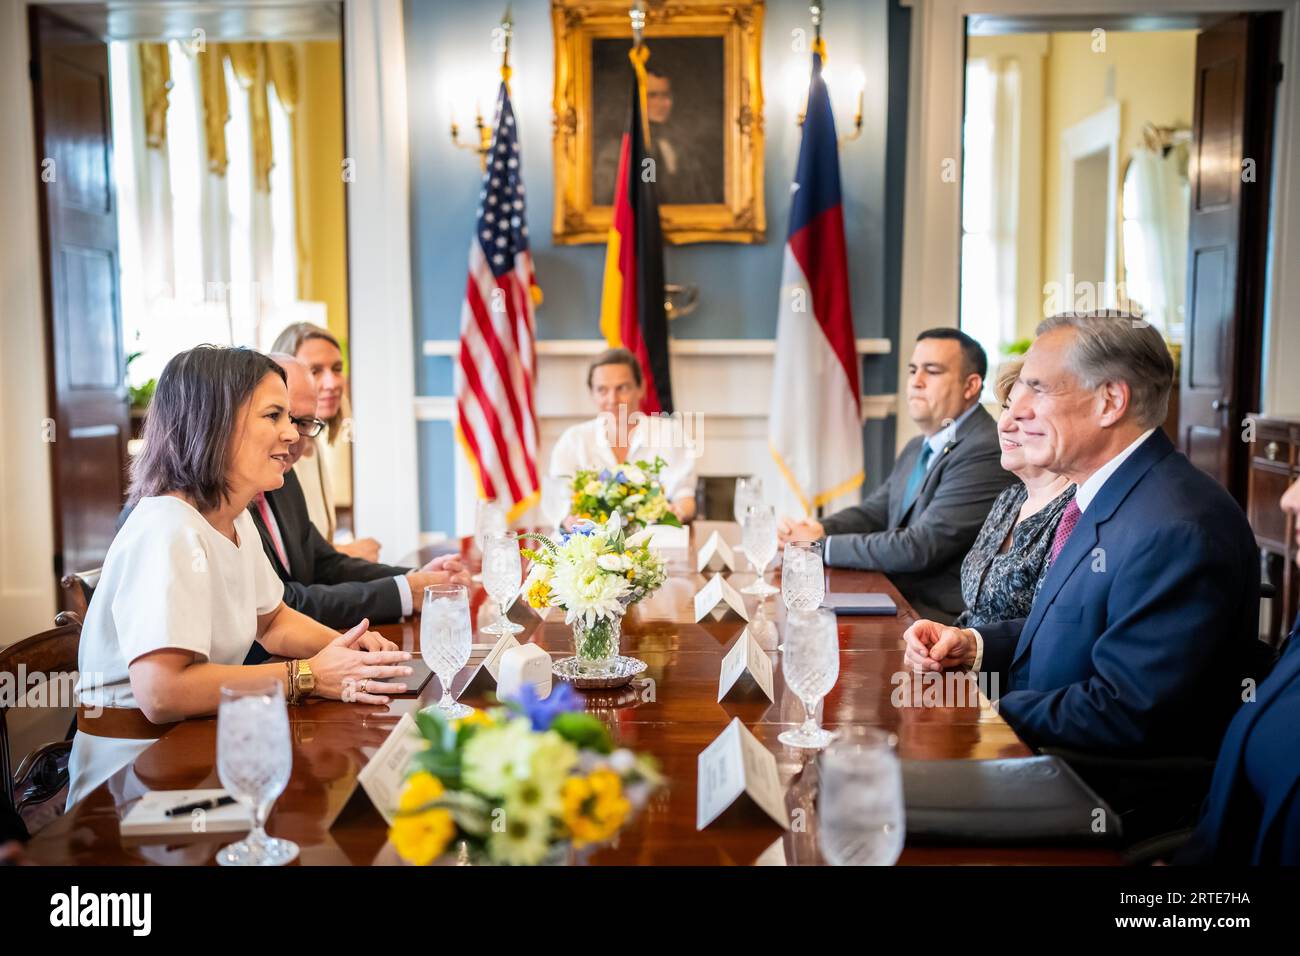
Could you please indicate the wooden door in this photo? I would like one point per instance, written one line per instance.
(1232, 122)
(86, 365)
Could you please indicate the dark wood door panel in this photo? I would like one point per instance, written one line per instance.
(86, 361)
(1227, 241)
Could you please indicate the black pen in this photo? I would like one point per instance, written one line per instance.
(210, 804)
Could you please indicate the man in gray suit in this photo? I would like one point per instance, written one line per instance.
(918, 525)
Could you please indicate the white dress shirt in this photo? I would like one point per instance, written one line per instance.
(587, 447)
(1083, 496)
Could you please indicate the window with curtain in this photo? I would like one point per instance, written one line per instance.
(990, 173)
(204, 161)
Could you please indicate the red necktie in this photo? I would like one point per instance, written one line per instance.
(1069, 518)
(274, 530)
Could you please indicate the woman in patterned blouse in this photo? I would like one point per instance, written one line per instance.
(1001, 573)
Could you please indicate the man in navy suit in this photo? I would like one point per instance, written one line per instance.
(1138, 639)
(1253, 811)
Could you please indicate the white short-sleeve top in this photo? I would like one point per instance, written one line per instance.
(170, 580)
(587, 446)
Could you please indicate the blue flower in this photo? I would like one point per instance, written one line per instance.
(541, 713)
(621, 478)
(604, 474)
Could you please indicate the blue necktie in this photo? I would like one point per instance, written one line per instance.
(917, 477)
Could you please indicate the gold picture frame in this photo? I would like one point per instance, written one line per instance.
(731, 35)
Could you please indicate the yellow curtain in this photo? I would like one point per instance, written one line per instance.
(216, 107)
(248, 60)
(155, 84)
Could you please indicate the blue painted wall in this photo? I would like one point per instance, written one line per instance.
(450, 65)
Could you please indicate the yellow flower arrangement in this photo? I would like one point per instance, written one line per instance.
(421, 835)
(480, 718)
(594, 807)
(539, 595)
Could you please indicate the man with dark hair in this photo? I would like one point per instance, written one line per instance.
(621, 435)
(919, 524)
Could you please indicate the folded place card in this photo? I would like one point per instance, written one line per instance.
(382, 777)
(149, 815)
(746, 669)
(735, 764)
(715, 555)
(484, 678)
(719, 596)
(667, 537)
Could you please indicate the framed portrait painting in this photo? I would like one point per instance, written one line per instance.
(704, 104)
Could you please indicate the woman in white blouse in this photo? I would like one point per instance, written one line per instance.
(621, 434)
(186, 587)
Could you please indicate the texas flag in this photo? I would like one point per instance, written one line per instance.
(816, 422)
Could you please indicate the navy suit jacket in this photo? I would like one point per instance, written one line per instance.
(1138, 639)
(1252, 814)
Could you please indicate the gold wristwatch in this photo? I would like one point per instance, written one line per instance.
(304, 681)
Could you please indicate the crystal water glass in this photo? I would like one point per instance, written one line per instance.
(803, 576)
(557, 493)
(860, 818)
(489, 518)
(254, 757)
(749, 491)
(502, 577)
(810, 663)
(758, 532)
(445, 639)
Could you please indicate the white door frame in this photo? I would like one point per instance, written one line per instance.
(932, 223)
(381, 340)
(1093, 134)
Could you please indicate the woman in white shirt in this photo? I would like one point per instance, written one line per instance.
(320, 352)
(186, 587)
(621, 434)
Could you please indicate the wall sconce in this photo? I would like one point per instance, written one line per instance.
(797, 79)
(484, 144)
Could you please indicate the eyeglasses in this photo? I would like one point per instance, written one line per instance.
(307, 427)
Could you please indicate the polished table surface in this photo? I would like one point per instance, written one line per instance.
(672, 713)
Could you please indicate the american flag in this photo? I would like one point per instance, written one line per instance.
(496, 418)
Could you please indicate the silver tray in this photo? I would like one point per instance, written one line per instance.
(621, 672)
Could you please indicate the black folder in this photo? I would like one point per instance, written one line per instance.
(1030, 800)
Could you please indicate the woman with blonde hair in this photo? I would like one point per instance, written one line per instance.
(1000, 574)
(320, 351)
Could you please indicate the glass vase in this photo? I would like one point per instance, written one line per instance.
(596, 645)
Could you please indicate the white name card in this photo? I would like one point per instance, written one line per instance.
(734, 764)
(719, 596)
(667, 537)
(484, 677)
(745, 657)
(383, 776)
(715, 555)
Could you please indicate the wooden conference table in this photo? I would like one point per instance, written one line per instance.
(672, 713)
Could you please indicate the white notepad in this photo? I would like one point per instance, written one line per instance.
(149, 816)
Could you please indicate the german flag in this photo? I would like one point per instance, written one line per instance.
(632, 302)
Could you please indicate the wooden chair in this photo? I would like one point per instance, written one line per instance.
(79, 587)
(43, 773)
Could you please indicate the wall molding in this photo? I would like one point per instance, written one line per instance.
(450, 348)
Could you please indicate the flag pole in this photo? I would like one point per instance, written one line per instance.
(638, 55)
(508, 32)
